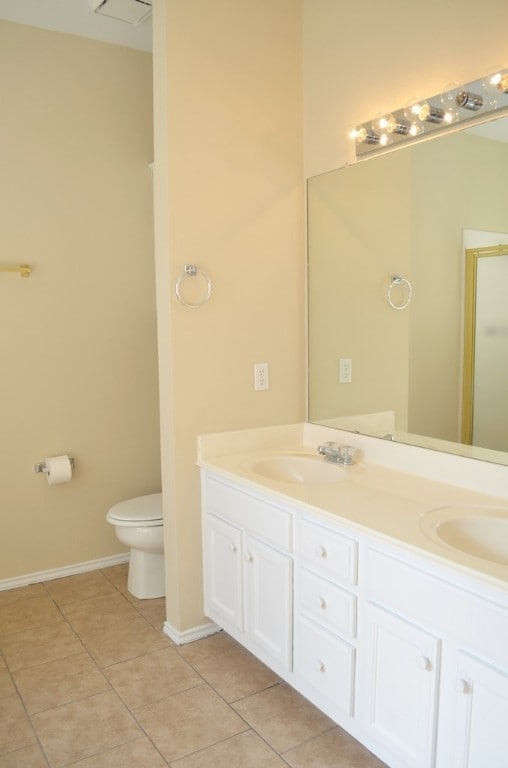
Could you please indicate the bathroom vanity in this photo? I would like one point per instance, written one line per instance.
(338, 579)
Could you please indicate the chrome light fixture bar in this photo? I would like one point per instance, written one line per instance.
(458, 104)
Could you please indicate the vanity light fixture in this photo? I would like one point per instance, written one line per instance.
(477, 100)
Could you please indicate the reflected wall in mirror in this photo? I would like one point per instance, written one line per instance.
(413, 213)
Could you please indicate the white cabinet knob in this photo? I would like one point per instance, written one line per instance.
(321, 603)
(424, 662)
(319, 666)
(249, 557)
(233, 547)
(321, 551)
(462, 686)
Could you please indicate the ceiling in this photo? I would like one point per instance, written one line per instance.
(76, 17)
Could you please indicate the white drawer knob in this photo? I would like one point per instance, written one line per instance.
(423, 662)
(321, 551)
(319, 666)
(249, 557)
(233, 547)
(322, 603)
(462, 686)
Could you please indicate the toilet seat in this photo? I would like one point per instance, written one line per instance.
(141, 511)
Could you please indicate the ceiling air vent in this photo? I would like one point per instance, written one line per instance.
(131, 11)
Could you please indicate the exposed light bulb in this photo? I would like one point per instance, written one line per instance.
(431, 114)
(468, 100)
(415, 129)
(363, 136)
(502, 85)
(413, 109)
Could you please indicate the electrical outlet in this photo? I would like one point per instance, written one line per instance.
(261, 376)
(345, 370)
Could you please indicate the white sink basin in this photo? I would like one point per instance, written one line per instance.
(288, 468)
(479, 531)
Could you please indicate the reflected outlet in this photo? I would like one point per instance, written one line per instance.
(345, 370)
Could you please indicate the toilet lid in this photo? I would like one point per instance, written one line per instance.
(144, 510)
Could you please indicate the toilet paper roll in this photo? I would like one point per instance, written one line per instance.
(58, 469)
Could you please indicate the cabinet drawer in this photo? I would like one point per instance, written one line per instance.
(266, 521)
(326, 603)
(330, 553)
(327, 663)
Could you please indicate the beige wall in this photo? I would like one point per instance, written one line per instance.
(229, 198)
(365, 59)
(78, 337)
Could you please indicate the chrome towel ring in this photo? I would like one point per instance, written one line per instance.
(192, 270)
(398, 280)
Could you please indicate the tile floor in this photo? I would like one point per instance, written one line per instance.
(88, 679)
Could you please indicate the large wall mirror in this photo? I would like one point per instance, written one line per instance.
(434, 373)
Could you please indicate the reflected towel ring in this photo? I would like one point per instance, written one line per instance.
(191, 270)
(398, 280)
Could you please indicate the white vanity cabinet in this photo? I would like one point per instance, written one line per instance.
(434, 676)
(406, 651)
(248, 571)
(325, 617)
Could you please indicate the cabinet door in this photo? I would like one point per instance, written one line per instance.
(327, 663)
(402, 678)
(268, 600)
(223, 573)
(481, 735)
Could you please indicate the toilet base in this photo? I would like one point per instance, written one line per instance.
(146, 578)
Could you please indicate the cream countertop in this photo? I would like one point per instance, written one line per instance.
(373, 496)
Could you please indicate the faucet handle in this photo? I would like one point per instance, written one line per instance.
(346, 454)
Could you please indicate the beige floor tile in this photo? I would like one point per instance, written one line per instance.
(79, 587)
(84, 728)
(32, 612)
(188, 721)
(154, 611)
(27, 757)
(105, 612)
(208, 647)
(331, 749)
(246, 750)
(136, 754)
(21, 593)
(151, 677)
(59, 682)
(235, 673)
(15, 728)
(129, 640)
(37, 646)
(117, 575)
(283, 717)
(7, 687)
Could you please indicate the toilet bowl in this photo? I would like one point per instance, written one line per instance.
(138, 525)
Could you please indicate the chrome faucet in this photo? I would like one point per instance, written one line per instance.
(339, 454)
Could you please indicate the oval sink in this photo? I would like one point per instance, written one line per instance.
(478, 531)
(299, 469)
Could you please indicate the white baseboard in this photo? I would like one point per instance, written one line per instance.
(67, 570)
(196, 633)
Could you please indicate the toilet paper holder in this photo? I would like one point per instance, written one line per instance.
(40, 466)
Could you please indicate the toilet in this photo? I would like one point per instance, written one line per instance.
(138, 525)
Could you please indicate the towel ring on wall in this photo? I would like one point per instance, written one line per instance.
(398, 280)
(191, 270)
